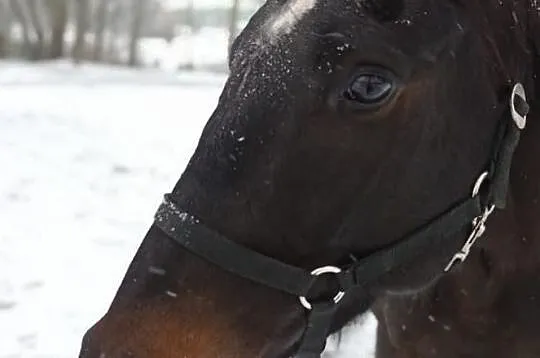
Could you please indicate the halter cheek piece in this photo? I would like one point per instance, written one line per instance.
(489, 192)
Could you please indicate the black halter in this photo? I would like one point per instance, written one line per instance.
(200, 240)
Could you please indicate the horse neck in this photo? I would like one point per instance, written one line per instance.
(513, 237)
(510, 250)
(502, 266)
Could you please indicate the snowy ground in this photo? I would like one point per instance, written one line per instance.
(86, 154)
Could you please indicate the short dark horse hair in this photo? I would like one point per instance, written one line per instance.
(348, 139)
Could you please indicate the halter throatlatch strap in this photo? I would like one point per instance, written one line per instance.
(504, 151)
(241, 261)
(497, 176)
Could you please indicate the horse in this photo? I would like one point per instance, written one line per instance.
(364, 154)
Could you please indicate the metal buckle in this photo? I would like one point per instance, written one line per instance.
(520, 120)
(320, 271)
(479, 227)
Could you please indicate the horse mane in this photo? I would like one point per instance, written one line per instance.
(534, 38)
(507, 28)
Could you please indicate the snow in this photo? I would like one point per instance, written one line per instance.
(290, 16)
(86, 154)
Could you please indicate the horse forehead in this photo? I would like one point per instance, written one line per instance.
(288, 16)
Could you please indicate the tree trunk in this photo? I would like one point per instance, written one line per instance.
(58, 13)
(20, 13)
(113, 23)
(5, 27)
(82, 21)
(100, 29)
(233, 19)
(190, 23)
(136, 26)
(35, 12)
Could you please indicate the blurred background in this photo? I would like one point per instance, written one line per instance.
(101, 105)
(167, 34)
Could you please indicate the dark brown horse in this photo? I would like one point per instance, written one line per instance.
(352, 127)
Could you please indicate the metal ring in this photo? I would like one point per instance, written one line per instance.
(317, 272)
(481, 179)
(520, 120)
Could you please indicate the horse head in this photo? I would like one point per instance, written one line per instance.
(343, 127)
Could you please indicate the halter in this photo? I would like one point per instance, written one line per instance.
(489, 192)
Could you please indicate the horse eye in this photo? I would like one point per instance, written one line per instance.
(370, 88)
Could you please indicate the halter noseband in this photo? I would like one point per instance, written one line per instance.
(489, 192)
